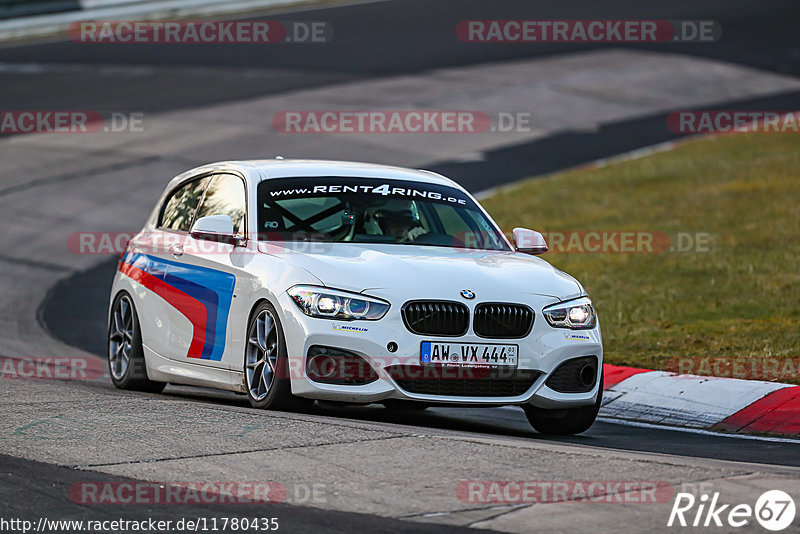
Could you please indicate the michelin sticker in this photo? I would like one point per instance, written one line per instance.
(349, 328)
(574, 336)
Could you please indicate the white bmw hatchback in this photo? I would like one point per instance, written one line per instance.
(294, 280)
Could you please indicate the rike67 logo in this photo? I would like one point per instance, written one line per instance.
(774, 510)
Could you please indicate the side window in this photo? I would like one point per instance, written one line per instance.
(225, 196)
(178, 211)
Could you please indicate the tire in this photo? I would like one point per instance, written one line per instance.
(410, 406)
(565, 422)
(126, 363)
(266, 364)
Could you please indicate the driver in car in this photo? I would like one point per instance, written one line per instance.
(394, 218)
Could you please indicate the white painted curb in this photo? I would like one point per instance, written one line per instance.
(691, 401)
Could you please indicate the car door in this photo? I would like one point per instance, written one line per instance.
(211, 270)
(150, 258)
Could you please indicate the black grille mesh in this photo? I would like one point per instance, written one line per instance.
(436, 318)
(339, 367)
(499, 320)
(462, 382)
(566, 377)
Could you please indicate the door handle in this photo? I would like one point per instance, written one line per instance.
(176, 250)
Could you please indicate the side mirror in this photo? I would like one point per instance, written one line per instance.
(529, 241)
(215, 228)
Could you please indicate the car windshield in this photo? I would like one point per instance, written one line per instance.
(366, 210)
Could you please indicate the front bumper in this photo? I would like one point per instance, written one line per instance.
(542, 350)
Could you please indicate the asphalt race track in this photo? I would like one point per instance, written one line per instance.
(87, 330)
(382, 470)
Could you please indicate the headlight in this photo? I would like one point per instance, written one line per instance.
(334, 304)
(575, 314)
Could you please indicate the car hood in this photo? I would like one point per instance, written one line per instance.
(426, 270)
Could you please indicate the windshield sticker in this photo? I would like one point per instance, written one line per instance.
(363, 187)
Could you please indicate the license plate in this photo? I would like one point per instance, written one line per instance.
(468, 354)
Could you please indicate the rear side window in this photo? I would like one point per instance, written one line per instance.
(225, 196)
(179, 208)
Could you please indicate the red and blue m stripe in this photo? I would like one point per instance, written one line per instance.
(200, 294)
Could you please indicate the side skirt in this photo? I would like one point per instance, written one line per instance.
(163, 369)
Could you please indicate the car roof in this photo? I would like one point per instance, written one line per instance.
(265, 169)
